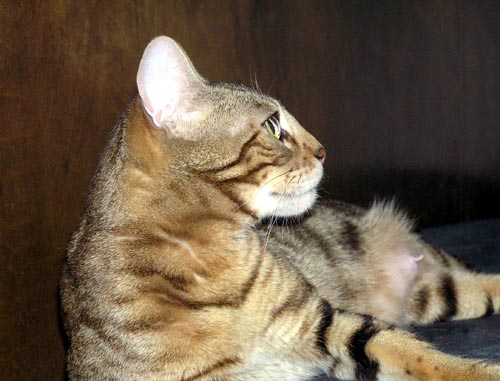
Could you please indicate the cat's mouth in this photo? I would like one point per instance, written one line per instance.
(301, 189)
(294, 193)
(289, 202)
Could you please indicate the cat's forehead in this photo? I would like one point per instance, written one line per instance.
(235, 98)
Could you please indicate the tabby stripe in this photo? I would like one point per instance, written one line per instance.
(421, 302)
(109, 338)
(241, 206)
(447, 260)
(179, 190)
(292, 303)
(230, 301)
(70, 272)
(350, 236)
(324, 323)
(244, 149)
(366, 369)
(330, 371)
(249, 172)
(289, 138)
(142, 325)
(214, 368)
(490, 308)
(244, 209)
(442, 258)
(449, 296)
(320, 242)
(248, 285)
(168, 296)
(178, 282)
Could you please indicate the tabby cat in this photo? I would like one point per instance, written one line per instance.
(172, 274)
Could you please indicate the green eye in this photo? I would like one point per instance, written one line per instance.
(272, 125)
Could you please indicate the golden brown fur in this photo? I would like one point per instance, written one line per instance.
(170, 275)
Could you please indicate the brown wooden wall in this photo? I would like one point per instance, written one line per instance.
(405, 95)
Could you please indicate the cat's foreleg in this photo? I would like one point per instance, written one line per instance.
(358, 347)
(367, 349)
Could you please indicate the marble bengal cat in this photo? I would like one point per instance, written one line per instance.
(173, 275)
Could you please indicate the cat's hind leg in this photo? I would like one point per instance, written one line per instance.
(447, 289)
(414, 283)
(395, 257)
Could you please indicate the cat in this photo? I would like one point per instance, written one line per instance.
(173, 273)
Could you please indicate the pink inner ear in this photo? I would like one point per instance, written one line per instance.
(167, 81)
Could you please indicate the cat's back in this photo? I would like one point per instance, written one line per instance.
(331, 227)
(338, 248)
(325, 246)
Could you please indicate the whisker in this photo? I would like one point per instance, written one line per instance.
(257, 83)
(272, 85)
(323, 189)
(253, 81)
(272, 222)
(262, 186)
(274, 218)
(250, 75)
(269, 228)
(275, 177)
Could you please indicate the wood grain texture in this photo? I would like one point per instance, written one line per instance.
(404, 95)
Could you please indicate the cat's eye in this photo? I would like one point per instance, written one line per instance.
(272, 125)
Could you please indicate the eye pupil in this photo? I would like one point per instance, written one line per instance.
(269, 127)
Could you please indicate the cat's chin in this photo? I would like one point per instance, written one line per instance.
(271, 204)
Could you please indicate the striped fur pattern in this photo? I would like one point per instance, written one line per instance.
(381, 268)
(173, 275)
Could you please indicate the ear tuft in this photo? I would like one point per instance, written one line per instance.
(167, 82)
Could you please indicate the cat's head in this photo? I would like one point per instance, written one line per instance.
(236, 139)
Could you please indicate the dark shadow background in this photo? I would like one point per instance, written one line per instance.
(404, 94)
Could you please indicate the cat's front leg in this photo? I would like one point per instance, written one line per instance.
(303, 330)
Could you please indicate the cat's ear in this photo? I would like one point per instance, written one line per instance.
(167, 83)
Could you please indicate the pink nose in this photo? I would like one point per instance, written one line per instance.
(320, 154)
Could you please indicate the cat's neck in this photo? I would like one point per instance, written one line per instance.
(157, 189)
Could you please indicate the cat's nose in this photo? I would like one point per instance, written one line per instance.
(320, 154)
